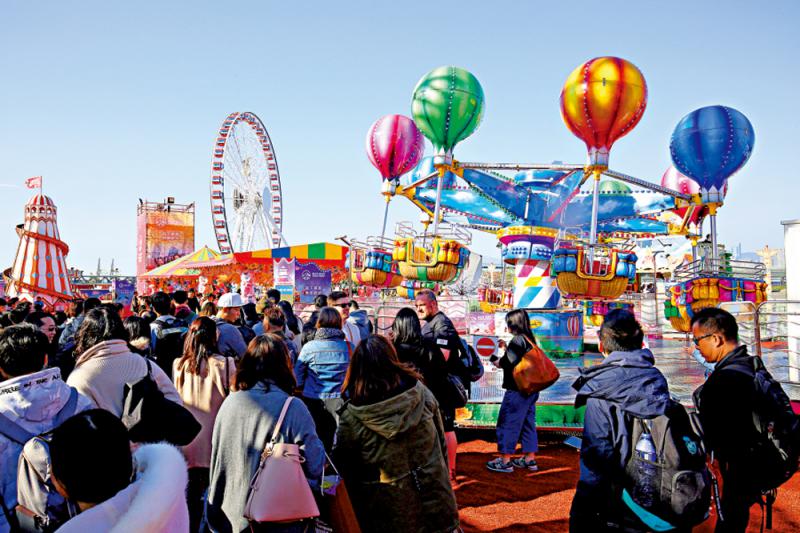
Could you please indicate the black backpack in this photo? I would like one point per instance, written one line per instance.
(471, 361)
(169, 336)
(774, 453)
(150, 417)
(39, 506)
(680, 482)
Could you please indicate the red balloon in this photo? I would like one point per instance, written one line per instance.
(394, 145)
(673, 179)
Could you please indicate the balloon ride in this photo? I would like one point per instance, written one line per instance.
(570, 231)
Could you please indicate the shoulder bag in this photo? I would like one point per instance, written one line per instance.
(535, 371)
(279, 490)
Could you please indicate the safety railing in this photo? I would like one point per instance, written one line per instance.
(446, 231)
(720, 268)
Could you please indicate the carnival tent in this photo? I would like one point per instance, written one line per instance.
(182, 266)
(326, 255)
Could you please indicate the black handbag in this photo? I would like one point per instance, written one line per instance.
(456, 393)
(150, 417)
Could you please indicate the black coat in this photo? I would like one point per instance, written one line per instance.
(441, 331)
(429, 361)
(725, 406)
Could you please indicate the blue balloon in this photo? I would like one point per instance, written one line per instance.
(711, 143)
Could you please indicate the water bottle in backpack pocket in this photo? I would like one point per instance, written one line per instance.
(667, 484)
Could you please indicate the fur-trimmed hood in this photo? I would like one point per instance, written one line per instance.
(155, 501)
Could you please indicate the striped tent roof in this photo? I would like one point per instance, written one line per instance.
(182, 266)
(319, 251)
(322, 253)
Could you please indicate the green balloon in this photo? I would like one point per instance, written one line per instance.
(613, 187)
(447, 106)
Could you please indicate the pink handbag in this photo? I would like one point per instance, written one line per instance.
(279, 491)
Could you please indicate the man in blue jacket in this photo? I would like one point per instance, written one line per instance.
(624, 386)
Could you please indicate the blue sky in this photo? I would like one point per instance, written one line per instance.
(113, 101)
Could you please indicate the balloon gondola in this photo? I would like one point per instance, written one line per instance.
(435, 258)
(372, 265)
(593, 271)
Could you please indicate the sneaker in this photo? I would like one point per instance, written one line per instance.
(497, 465)
(520, 462)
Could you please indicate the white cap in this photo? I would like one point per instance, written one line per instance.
(230, 299)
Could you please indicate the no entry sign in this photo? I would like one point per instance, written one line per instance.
(485, 346)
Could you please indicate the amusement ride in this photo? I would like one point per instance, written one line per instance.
(245, 187)
(570, 231)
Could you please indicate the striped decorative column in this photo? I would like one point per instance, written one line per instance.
(533, 286)
(40, 270)
(529, 249)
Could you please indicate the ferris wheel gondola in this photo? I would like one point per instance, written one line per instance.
(245, 188)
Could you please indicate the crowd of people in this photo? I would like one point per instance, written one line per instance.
(378, 409)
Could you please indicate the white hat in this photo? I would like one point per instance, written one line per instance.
(230, 299)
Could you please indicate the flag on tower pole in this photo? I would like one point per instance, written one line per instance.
(34, 182)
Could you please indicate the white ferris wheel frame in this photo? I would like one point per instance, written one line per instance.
(269, 219)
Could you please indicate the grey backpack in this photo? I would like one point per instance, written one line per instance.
(39, 506)
(673, 487)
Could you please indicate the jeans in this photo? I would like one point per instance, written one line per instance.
(517, 422)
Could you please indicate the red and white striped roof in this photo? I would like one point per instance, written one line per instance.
(40, 199)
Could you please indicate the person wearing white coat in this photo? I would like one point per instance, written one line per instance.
(117, 492)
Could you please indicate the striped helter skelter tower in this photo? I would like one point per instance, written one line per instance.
(40, 270)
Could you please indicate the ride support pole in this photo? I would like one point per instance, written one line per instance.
(385, 218)
(712, 212)
(439, 186)
(595, 206)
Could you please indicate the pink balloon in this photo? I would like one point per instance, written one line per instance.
(394, 145)
(673, 179)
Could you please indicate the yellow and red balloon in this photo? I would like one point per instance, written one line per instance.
(602, 100)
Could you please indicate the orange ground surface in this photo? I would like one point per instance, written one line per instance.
(540, 501)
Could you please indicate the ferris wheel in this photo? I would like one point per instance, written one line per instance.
(246, 202)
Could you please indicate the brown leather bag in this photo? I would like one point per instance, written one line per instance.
(535, 372)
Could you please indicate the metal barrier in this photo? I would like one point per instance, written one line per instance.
(771, 330)
(719, 268)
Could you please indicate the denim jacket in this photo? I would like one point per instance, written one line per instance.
(322, 364)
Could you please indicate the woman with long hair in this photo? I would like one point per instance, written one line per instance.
(203, 378)
(426, 358)
(138, 334)
(516, 421)
(246, 421)
(105, 364)
(390, 446)
(320, 370)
